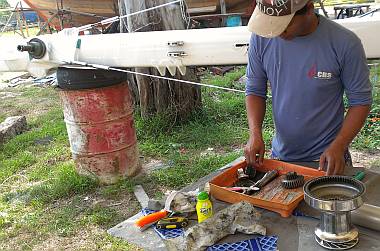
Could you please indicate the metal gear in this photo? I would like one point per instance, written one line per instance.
(291, 176)
(251, 172)
(292, 180)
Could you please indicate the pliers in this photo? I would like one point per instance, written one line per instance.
(268, 177)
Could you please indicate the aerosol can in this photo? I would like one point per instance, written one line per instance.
(204, 207)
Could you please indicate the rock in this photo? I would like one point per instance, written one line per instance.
(156, 205)
(185, 202)
(241, 217)
(221, 70)
(44, 141)
(11, 127)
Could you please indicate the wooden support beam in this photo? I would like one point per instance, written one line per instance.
(24, 20)
(18, 16)
(223, 10)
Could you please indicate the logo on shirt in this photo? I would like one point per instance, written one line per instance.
(314, 73)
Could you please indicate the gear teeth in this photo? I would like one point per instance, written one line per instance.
(353, 188)
(333, 180)
(291, 176)
(292, 184)
(250, 171)
(292, 180)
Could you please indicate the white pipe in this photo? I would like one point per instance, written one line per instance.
(170, 50)
(12, 60)
(215, 46)
(163, 50)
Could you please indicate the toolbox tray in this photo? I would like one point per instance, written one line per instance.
(273, 196)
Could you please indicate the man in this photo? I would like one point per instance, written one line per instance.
(310, 62)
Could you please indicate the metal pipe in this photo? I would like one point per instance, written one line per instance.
(27, 48)
(35, 47)
(367, 216)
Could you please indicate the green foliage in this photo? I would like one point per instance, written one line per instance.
(103, 216)
(116, 190)
(64, 221)
(114, 244)
(190, 168)
(64, 182)
(21, 152)
(369, 137)
(220, 124)
(4, 4)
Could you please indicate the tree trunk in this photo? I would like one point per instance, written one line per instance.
(322, 7)
(155, 95)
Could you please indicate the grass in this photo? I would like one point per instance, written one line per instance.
(32, 32)
(42, 195)
(369, 138)
(45, 204)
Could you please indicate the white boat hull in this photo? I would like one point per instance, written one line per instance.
(368, 30)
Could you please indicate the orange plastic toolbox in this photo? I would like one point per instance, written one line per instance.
(272, 196)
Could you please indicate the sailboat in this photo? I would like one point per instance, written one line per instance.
(73, 13)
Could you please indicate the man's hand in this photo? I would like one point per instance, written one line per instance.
(254, 151)
(333, 157)
(332, 160)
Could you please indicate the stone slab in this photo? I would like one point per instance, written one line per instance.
(141, 196)
(147, 240)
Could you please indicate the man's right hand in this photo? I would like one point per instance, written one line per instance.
(254, 151)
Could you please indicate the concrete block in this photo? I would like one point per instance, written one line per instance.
(147, 240)
(141, 196)
(11, 127)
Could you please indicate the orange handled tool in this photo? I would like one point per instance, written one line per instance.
(150, 219)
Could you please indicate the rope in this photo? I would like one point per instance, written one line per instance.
(117, 18)
(104, 67)
(185, 14)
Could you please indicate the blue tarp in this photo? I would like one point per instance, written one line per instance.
(31, 17)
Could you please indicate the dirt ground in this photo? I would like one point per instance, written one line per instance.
(367, 159)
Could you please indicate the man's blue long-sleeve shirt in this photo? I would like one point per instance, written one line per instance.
(308, 77)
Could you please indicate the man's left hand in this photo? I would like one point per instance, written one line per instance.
(332, 160)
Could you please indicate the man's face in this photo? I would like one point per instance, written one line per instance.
(299, 25)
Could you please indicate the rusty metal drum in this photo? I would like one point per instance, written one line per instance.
(101, 131)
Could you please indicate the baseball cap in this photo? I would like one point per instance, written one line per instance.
(271, 17)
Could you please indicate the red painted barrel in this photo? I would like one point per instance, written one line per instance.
(101, 131)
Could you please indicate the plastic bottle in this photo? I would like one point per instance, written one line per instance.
(204, 207)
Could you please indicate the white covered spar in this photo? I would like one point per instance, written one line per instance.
(163, 50)
(168, 49)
